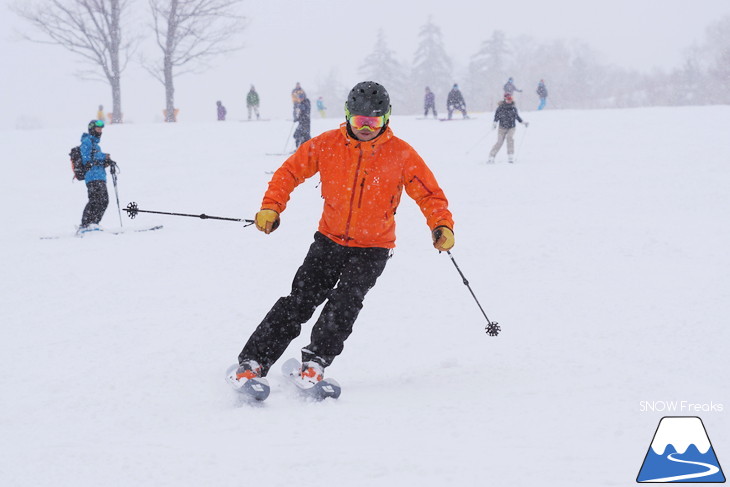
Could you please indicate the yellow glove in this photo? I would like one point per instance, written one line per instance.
(443, 238)
(267, 221)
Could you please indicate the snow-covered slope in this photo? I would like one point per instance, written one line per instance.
(603, 253)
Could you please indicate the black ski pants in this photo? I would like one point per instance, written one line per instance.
(342, 276)
(98, 201)
(432, 107)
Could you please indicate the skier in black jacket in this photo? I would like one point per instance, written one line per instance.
(455, 101)
(302, 133)
(429, 103)
(506, 115)
(509, 87)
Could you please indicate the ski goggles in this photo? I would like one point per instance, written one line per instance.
(99, 123)
(359, 122)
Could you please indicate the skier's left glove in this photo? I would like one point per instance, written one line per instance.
(267, 220)
(494, 125)
(443, 238)
(526, 124)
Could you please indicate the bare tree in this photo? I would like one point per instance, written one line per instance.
(188, 32)
(90, 28)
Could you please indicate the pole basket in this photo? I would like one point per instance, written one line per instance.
(493, 329)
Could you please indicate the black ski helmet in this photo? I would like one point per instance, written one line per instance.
(368, 98)
(93, 124)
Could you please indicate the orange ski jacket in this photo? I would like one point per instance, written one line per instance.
(362, 183)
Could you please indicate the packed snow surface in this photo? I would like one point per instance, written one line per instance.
(602, 252)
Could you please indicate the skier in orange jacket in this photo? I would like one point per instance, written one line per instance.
(364, 169)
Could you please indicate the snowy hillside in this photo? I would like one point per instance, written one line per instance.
(603, 253)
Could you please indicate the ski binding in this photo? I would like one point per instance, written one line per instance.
(319, 391)
(257, 388)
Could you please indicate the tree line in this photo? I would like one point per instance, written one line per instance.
(572, 70)
(188, 32)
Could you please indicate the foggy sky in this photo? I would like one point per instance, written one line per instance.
(288, 41)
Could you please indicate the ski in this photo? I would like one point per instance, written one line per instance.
(455, 119)
(257, 120)
(256, 389)
(119, 231)
(112, 231)
(319, 391)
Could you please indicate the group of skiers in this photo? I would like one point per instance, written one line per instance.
(455, 99)
(505, 116)
(541, 91)
(252, 104)
(301, 111)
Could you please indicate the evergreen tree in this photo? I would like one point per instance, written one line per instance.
(382, 67)
(334, 93)
(488, 71)
(718, 45)
(432, 67)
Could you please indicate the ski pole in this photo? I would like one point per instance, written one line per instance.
(477, 143)
(132, 209)
(113, 170)
(291, 130)
(492, 327)
(522, 141)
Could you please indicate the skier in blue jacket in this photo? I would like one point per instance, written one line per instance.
(542, 93)
(97, 162)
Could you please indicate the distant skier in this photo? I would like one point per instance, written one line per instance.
(356, 232)
(429, 102)
(221, 111)
(100, 114)
(321, 108)
(506, 115)
(455, 101)
(302, 132)
(297, 97)
(542, 92)
(97, 162)
(252, 102)
(509, 87)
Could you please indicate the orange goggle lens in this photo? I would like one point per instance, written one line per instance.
(359, 122)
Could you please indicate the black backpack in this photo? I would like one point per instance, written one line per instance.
(77, 164)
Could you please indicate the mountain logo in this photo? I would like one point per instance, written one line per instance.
(680, 452)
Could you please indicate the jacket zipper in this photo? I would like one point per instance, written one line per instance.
(416, 178)
(352, 198)
(362, 188)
